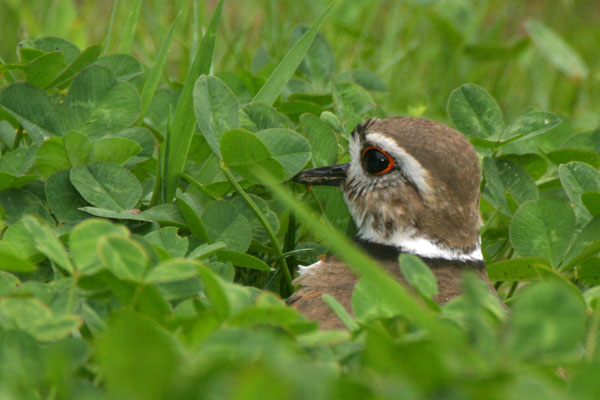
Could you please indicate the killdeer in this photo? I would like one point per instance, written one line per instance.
(412, 186)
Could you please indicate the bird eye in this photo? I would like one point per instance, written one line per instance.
(376, 161)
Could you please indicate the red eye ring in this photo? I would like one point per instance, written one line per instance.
(385, 170)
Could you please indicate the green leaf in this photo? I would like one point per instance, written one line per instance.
(63, 199)
(285, 69)
(34, 109)
(564, 156)
(123, 257)
(588, 236)
(319, 61)
(52, 157)
(18, 202)
(151, 82)
(244, 260)
(475, 112)
(173, 270)
(116, 150)
(48, 243)
(323, 142)
(543, 228)
(215, 291)
(287, 147)
(258, 231)
(206, 250)
(518, 269)
(534, 164)
(83, 243)
(224, 224)
(241, 150)
(183, 121)
(258, 116)
(98, 103)
(340, 312)
(77, 148)
(418, 275)
(107, 185)
(50, 43)
(216, 110)
(365, 78)
(124, 66)
(133, 215)
(168, 239)
(143, 138)
(19, 237)
(87, 57)
(12, 260)
(517, 182)
(577, 178)
(591, 201)
(42, 71)
(130, 25)
(556, 50)
(353, 104)
(529, 125)
(191, 216)
(548, 319)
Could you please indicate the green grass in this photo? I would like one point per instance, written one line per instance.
(150, 228)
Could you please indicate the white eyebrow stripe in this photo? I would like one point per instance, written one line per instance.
(412, 169)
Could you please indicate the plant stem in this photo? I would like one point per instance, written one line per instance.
(264, 223)
(590, 347)
(18, 137)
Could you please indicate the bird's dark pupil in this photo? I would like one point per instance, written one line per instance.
(375, 161)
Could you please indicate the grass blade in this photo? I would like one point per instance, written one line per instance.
(183, 123)
(285, 69)
(151, 82)
(130, 25)
(111, 23)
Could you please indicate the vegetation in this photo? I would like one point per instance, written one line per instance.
(150, 230)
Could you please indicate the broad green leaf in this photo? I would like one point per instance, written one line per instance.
(215, 291)
(34, 109)
(130, 25)
(577, 178)
(534, 164)
(494, 184)
(273, 315)
(107, 185)
(18, 161)
(543, 228)
(63, 199)
(19, 237)
(143, 138)
(77, 148)
(475, 112)
(548, 318)
(323, 142)
(123, 257)
(151, 82)
(586, 238)
(258, 231)
(173, 270)
(215, 108)
(42, 71)
(285, 69)
(206, 250)
(86, 57)
(555, 49)
(418, 275)
(517, 182)
(529, 125)
(589, 273)
(124, 66)
(183, 121)
(242, 150)
(83, 243)
(564, 156)
(51, 43)
(368, 304)
(287, 147)
(98, 103)
(165, 214)
(56, 327)
(8, 283)
(353, 104)
(133, 214)
(8, 181)
(168, 239)
(517, 269)
(12, 260)
(244, 260)
(116, 150)
(163, 103)
(224, 224)
(258, 116)
(591, 201)
(52, 157)
(48, 243)
(19, 202)
(192, 218)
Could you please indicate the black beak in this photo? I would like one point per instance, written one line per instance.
(332, 175)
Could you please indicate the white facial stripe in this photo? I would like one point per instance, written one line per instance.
(420, 246)
(411, 168)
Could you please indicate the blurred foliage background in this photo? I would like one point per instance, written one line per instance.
(422, 49)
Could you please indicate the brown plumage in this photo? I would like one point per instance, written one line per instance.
(412, 186)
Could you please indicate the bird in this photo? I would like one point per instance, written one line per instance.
(411, 186)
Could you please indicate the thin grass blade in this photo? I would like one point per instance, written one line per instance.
(130, 25)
